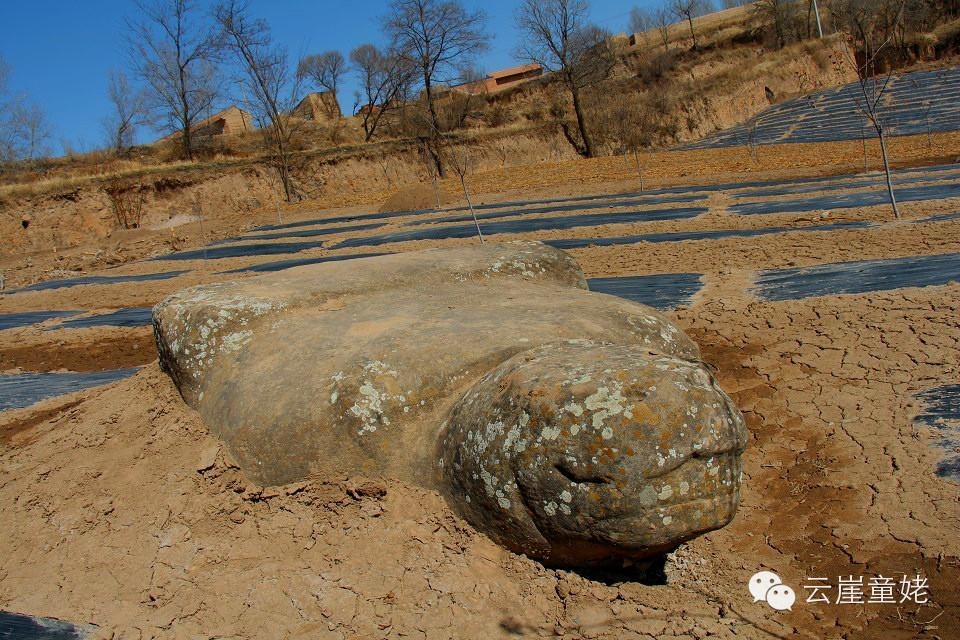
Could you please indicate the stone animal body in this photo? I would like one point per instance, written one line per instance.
(575, 427)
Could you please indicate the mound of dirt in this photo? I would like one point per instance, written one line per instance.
(420, 196)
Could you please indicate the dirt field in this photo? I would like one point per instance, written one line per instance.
(118, 508)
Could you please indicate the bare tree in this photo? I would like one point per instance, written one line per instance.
(872, 88)
(6, 106)
(457, 158)
(461, 163)
(127, 104)
(5, 98)
(385, 79)
(174, 51)
(30, 131)
(641, 21)
(325, 70)
(558, 36)
(662, 21)
(777, 13)
(688, 10)
(437, 36)
(267, 75)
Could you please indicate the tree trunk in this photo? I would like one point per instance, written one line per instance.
(568, 134)
(429, 145)
(466, 194)
(886, 169)
(863, 138)
(185, 106)
(434, 122)
(187, 143)
(283, 161)
(588, 149)
(693, 34)
(366, 128)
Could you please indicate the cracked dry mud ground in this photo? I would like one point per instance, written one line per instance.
(118, 508)
(838, 482)
(129, 515)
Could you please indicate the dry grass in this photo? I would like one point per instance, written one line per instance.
(127, 169)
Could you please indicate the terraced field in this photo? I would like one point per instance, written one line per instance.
(914, 103)
(833, 326)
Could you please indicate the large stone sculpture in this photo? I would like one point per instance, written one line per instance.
(576, 427)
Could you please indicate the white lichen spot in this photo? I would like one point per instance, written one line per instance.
(369, 408)
(489, 482)
(235, 341)
(550, 433)
(574, 408)
(647, 497)
(605, 403)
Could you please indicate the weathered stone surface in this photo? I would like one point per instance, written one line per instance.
(392, 365)
(570, 450)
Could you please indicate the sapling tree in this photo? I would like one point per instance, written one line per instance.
(872, 88)
(457, 159)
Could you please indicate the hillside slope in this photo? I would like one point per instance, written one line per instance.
(663, 97)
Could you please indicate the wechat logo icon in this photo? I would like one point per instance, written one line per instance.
(768, 587)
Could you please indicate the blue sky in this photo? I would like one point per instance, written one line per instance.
(61, 51)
